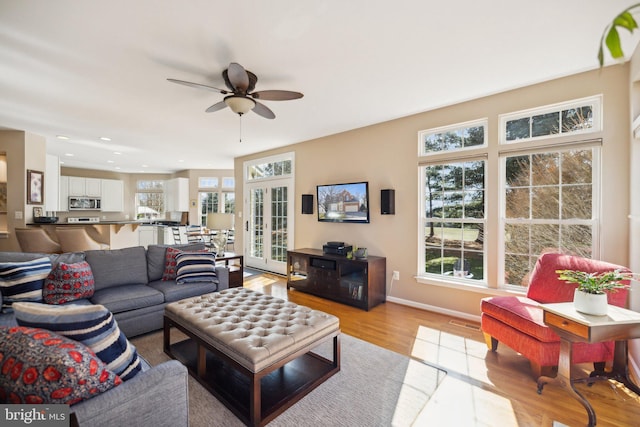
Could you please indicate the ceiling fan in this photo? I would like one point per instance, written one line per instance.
(240, 95)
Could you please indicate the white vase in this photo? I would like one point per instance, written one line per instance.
(593, 304)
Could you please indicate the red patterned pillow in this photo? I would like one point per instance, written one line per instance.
(68, 282)
(170, 264)
(40, 367)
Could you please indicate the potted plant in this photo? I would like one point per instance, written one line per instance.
(590, 296)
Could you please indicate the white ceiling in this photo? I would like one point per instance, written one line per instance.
(91, 69)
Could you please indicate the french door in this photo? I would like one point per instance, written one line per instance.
(269, 225)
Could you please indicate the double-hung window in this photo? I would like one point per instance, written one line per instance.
(452, 184)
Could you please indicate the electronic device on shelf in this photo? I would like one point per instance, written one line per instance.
(336, 248)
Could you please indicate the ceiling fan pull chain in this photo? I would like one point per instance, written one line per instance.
(240, 118)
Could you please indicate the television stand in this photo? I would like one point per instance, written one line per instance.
(356, 282)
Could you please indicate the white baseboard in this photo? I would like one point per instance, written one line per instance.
(435, 309)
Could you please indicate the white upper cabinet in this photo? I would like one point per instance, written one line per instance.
(79, 186)
(64, 194)
(112, 195)
(177, 195)
(52, 184)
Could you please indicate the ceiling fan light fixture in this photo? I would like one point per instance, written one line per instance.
(239, 104)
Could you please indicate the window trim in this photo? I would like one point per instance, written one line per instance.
(484, 122)
(595, 101)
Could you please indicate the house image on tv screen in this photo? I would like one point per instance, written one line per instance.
(343, 202)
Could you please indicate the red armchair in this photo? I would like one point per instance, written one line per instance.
(517, 321)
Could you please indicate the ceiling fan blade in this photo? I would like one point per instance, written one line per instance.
(276, 95)
(198, 85)
(264, 111)
(217, 106)
(238, 77)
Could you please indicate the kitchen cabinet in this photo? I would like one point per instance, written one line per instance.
(112, 195)
(63, 194)
(52, 181)
(177, 195)
(151, 235)
(79, 186)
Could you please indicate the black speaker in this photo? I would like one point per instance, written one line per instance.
(388, 202)
(307, 203)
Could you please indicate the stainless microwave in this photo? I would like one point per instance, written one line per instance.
(84, 203)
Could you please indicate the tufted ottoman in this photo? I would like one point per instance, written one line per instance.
(252, 351)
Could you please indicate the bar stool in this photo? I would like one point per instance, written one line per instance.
(37, 240)
(75, 239)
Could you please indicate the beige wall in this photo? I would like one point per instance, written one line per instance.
(22, 150)
(385, 154)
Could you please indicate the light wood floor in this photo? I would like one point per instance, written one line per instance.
(492, 385)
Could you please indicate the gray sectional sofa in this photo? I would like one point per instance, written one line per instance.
(129, 283)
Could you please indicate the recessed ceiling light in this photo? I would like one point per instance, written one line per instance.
(180, 161)
(145, 166)
(117, 153)
(117, 167)
(68, 154)
(104, 138)
(62, 137)
(110, 161)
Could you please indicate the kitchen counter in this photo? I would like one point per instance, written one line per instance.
(116, 234)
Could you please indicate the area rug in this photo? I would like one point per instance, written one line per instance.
(375, 387)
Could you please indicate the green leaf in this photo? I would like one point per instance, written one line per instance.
(625, 20)
(613, 43)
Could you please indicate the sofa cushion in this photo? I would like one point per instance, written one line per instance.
(92, 325)
(23, 281)
(116, 267)
(521, 313)
(68, 282)
(174, 292)
(195, 267)
(41, 367)
(125, 298)
(156, 257)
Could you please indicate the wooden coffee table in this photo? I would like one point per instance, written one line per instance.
(252, 351)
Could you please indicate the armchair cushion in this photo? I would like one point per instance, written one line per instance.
(522, 314)
(545, 286)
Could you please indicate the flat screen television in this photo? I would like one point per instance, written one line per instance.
(343, 202)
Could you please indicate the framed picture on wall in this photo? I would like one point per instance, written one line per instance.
(35, 187)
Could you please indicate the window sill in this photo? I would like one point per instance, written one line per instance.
(466, 285)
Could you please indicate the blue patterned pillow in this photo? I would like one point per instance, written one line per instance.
(195, 267)
(92, 325)
(23, 281)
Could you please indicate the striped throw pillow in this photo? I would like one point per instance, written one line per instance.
(92, 325)
(23, 281)
(195, 267)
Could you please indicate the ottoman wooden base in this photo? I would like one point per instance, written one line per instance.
(254, 397)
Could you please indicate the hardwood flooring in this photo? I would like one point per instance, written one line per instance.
(489, 386)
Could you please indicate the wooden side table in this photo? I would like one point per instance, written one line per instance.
(236, 268)
(618, 325)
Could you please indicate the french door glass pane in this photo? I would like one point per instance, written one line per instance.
(279, 205)
(257, 217)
